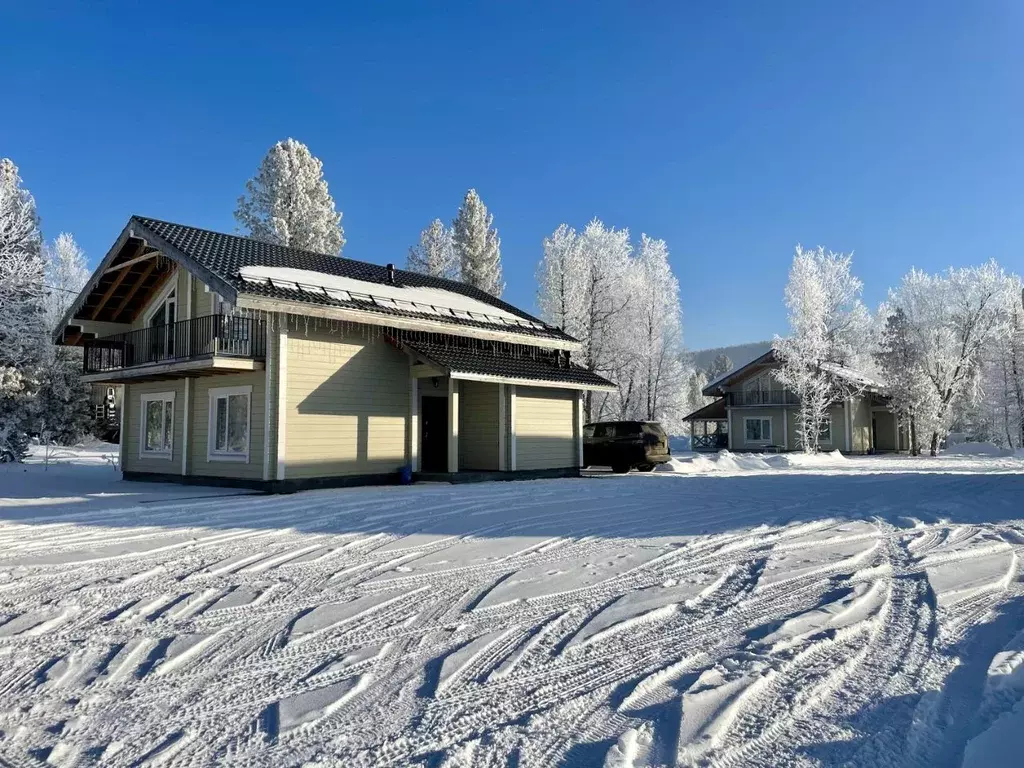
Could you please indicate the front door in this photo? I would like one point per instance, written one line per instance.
(434, 434)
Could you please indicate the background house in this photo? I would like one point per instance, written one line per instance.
(754, 412)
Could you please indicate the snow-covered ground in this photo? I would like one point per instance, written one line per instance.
(862, 611)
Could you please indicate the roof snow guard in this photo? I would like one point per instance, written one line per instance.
(277, 278)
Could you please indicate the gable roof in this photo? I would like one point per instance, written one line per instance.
(770, 360)
(227, 255)
(219, 259)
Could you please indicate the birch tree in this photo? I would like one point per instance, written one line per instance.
(22, 313)
(952, 317)
(560, 285)
(435, 253)
(828, 326)
(61, 404)
(287, 202)
(477, 245)
(655, 337)
(625, 311)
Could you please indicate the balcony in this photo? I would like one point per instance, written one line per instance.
(763, 397)
(208, 342)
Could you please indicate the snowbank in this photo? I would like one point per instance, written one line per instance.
(976, 449)
(727, 461)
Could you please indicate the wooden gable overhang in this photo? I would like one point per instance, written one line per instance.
(135, 269)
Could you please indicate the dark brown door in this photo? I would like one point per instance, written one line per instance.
(434, 434)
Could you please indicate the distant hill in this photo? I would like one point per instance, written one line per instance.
(740, 354)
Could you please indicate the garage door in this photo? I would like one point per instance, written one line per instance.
(544, 428)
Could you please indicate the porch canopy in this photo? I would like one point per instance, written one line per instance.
(501, 363)
(712, 434)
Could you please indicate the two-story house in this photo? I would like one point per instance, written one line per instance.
(247, 363)
(755, 412)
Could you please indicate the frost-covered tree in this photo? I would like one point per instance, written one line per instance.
(653, 371)
(435, 253)
(829, 325)
(718, 367)
(952, 317)
(625, 310)
(477, 245)
(911, 398)
(287, 202)
(22, 312)
(61, 405)
(560, 285)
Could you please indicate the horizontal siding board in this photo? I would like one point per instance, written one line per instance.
(347, 405)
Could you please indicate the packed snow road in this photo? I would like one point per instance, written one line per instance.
(867, 613)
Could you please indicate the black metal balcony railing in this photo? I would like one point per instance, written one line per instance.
(764, 397)
(200, 337)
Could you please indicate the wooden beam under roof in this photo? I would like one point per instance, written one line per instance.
(134, 289)
(108, 293)
(132, 261)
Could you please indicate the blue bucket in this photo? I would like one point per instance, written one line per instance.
(405, 475)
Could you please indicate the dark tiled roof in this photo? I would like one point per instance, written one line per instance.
(225, 255)
(497, 361)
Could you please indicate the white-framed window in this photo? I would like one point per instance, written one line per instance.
(757, 430)
(156, 431)
(825, 430)
(228, 436)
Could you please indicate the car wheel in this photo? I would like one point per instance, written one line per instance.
(646, 467)
(620, 469)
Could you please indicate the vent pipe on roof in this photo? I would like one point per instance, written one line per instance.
(391, 274)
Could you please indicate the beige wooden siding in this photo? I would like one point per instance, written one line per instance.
(133, 419)
(347, 405)
(200, 464)
(478, 425)
(544, 428)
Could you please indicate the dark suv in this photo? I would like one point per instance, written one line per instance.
(623, 445)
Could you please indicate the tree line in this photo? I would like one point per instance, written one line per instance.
(948, 347)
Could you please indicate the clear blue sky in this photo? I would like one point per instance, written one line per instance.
(731, 130)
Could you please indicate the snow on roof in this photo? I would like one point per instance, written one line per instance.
(420, 300)
(850, 374)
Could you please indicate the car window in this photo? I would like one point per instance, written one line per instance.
(601, 430)
(588, 430)
(627, 429)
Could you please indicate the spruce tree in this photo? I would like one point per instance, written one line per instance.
(288, 203)
(477, 245)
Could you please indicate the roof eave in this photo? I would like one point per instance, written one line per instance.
(262, 303)
(526, 382)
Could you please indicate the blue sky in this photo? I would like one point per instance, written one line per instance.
(731, 130)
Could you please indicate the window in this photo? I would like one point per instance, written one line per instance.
(825, 430)
(757, 430)
(588, 430)
(228, 438)
(157, 429)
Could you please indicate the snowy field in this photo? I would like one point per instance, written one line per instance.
(749, 611)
